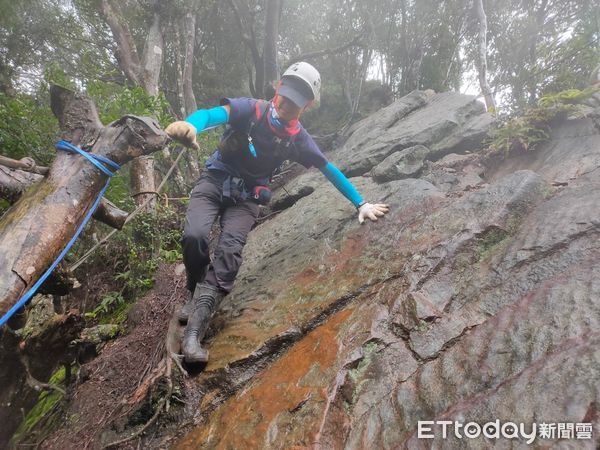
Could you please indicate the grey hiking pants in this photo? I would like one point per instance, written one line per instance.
(236, 220)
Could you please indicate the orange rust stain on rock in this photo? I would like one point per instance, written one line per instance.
(243, 421)
(238, 340)
(306, 276)
(338, 261)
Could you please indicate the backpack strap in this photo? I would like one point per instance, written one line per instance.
(260, 114)
(260, 109)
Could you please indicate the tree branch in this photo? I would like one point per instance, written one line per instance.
(328, 51)
(126, 54)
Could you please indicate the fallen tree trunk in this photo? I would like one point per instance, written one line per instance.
(26, 164)
(14, 182)
(38, 226)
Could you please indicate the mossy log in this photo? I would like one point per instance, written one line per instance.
(14, 182)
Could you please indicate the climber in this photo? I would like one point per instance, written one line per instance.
(259, 137)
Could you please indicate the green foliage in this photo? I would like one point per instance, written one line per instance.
(47, 401)
(332, 114)
(524, 133)
(208, 142)
(135, 253)
(567, 97)
(114, 101)
(171, 256)
(54, 73)
(118, 190)
(27, 128)
(520, 133)
(535, 48)
(109, 301)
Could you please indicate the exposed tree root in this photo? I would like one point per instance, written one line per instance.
(162, 372)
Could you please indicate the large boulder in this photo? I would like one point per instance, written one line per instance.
(476, 298)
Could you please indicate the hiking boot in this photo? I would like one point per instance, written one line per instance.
(184, 313)
(197, 325)
(204, 303)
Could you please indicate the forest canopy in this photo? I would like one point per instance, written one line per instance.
(166, 59)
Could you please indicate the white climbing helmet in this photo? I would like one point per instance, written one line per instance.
(301, 83)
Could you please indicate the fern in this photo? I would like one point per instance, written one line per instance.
(525, 133)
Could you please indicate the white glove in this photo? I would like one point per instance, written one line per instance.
(183, 132)
(372, 211)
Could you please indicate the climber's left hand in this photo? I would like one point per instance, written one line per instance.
(372, 211)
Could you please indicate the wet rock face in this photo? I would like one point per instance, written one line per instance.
(443, 123)
(477, 298)
(404, 164)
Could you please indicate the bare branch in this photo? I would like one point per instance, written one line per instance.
(328, 51)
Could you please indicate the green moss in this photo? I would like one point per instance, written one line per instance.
(40, 315)
(422, 326)
(100, 333)
(490, 242)
(357, 375)
(28, 202)
(58, 377)
(4, 205)
(45, 404)
(44, 410)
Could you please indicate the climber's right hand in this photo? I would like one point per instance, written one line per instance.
(183, 132)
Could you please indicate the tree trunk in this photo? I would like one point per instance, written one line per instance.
(404, 70)
(246, 26)
(482, 57)
(126, 54)
(191, 157)
(188, 64)
(36, 228)
(142, 184)
(145, 74)
(13, 183)
(367, 53)
(142, 169)
(179, 70)
(271, 73)
(27, 164)
(153, 57)
(532, 82)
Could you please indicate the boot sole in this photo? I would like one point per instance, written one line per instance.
(196, 360)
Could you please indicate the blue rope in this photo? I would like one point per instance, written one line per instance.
(94, 159)
(99, 162)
